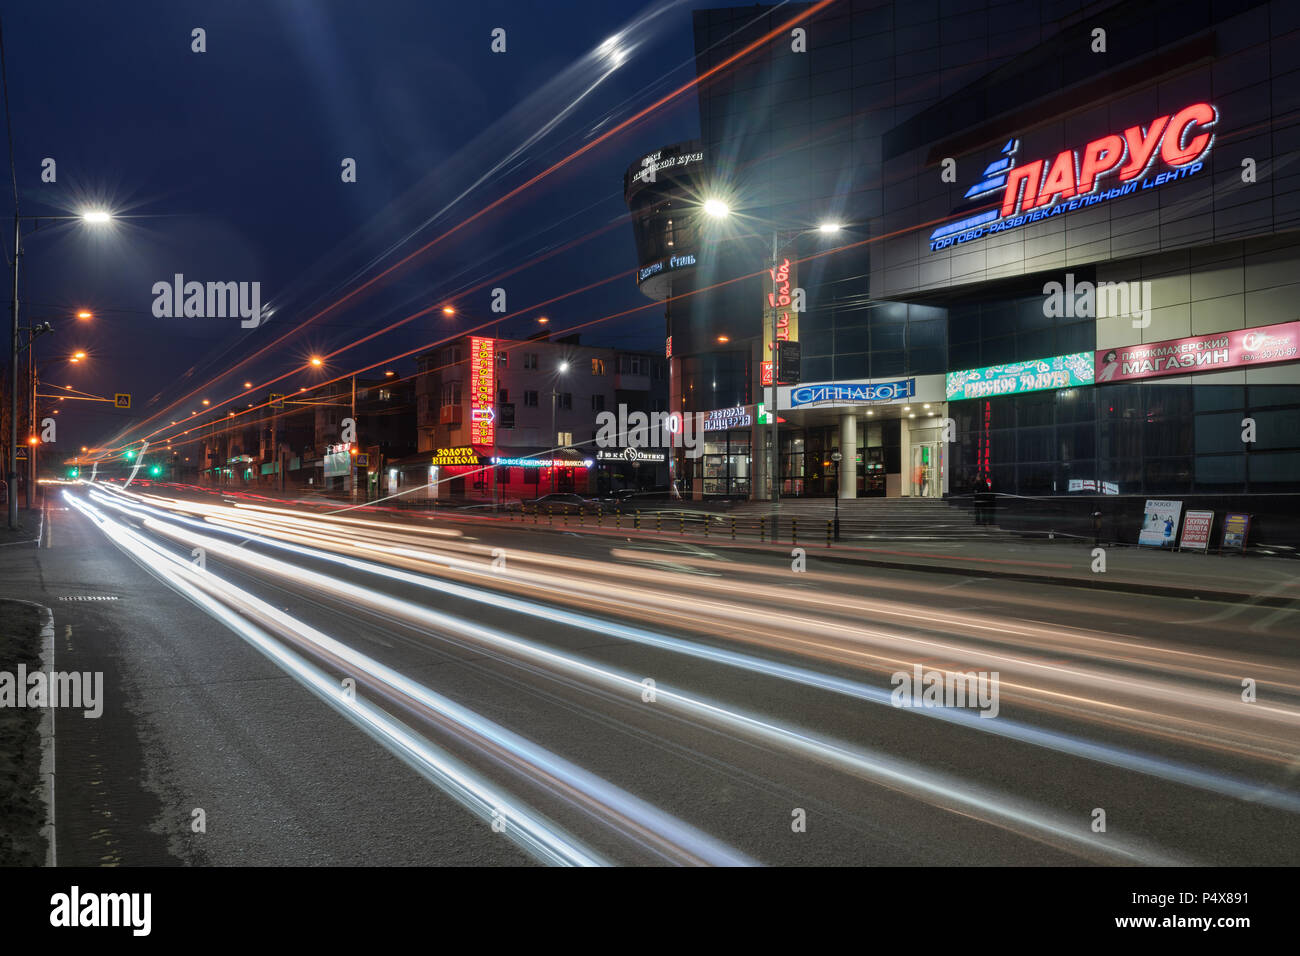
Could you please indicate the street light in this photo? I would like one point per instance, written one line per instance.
(561, 369)
(718, 209)
(90, 216)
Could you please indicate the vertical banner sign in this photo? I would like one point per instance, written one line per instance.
(483, 392)
(1196, 531)
(1236, 527)
(778, 311)
(1160, 523)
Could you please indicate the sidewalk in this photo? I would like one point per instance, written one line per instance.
(1264, 581)
(1269, 582)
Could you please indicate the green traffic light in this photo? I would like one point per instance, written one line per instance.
(155, 470)
(130, 453)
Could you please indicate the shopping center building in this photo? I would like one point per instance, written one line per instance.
(1067, 264)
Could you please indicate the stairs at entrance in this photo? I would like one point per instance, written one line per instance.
(883, 518)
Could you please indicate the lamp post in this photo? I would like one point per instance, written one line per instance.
(561, 369)
(97, 218)
(780, 239)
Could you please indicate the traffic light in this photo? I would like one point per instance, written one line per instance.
(74, 472)
(130, 453)
(155, 470)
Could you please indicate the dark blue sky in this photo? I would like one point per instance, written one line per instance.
(231, 160)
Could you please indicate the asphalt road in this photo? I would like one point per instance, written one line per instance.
(529, 695)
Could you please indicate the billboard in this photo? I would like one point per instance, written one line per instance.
(337, 461)
(1196, 531)
(1160, 523)
(1060, 371)
(1236, 527)
(1200, 353)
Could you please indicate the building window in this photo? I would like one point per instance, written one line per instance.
(598, 403)
(451, 355)
(633, 365)
(566, 401)
(451, 393)
(530, 399)
(597, 366)
(503, 396)
(564, 439)
(530, 360)
(503, 359)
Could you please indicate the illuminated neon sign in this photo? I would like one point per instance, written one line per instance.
(543, 462)
(668, 264)
(855, 393)
(462, 455)
(1060, 371)
(482, 391)
(1074, 178)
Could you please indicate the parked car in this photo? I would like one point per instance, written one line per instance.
(560, 502)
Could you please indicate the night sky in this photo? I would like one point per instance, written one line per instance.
(228, 162)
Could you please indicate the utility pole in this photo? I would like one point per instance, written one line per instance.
(352, 460)
(275, 446)
(12, 458)
(31, 417)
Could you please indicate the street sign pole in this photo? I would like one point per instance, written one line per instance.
(837, 457)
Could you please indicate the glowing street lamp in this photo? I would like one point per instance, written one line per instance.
(11, 476)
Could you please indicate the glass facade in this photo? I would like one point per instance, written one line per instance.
(1152, 439)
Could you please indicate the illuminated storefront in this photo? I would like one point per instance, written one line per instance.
(1095, 258)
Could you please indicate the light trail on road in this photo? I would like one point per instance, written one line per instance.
(364, 571)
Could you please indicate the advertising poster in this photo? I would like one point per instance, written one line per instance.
(1160, 523)
(1200, 353)
(1236, 527)
(1196, 531)
(1059, 371)
(338, 463)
